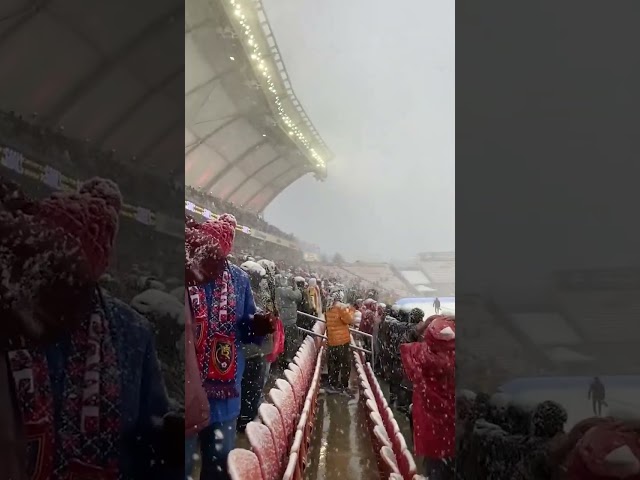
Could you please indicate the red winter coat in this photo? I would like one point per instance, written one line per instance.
(587, 461)
(367, 322)
(430, 366)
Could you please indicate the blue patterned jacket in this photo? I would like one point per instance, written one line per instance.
(144, 397)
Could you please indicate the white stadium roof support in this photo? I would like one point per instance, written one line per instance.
(247, 137)
(84, 64)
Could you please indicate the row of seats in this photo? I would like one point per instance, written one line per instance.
(280, 438)
(392, 455)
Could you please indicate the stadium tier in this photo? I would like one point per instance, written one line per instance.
(112, 76)
(247, 137)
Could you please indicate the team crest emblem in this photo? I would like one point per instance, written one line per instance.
(224, 352)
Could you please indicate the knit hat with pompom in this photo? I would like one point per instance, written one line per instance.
(206, 248)
(91, 216)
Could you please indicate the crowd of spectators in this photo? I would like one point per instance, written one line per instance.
(499, 437)
(81, 159)
(244, 217)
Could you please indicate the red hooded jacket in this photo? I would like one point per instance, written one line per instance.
(430, 366)
(594, 456)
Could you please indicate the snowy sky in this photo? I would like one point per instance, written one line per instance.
(377, 80)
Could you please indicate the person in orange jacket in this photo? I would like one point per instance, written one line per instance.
(339, 318)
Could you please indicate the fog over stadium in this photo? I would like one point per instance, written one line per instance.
(385, 106)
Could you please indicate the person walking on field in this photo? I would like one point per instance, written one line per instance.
(597, 395)
(338, 318)
(436, 306)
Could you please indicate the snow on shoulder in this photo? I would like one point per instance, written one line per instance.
(159, 304)
(253, 267)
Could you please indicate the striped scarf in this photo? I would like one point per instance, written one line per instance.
(81, 439)
(214, 314)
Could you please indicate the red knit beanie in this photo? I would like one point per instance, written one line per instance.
(91, 216)
(207, 246)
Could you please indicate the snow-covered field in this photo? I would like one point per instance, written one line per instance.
(447, 305)
(622, 397)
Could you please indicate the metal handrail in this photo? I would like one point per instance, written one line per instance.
(353, 346)
(313, 334)
(351, 330)
(311, 316)
(360, 349)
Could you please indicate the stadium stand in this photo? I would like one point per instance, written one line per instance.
(482, 355)
(379, 274)
(440, 269)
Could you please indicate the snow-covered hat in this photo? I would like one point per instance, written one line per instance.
(253, 268)
(268, 265)
(96, 205)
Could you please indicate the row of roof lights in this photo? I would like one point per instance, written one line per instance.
(258, 60)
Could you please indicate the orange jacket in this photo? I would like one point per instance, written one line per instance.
(338, 318)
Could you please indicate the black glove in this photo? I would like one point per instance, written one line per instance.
(263, 324)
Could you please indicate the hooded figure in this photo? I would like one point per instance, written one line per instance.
(368, 316)
(313, 293)
(604, 449)
(287, 299)
(430, 365)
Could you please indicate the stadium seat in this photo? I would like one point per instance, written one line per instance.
(294, 378)
(376, 419)
(368, 397)
(406, 464)
(243, 464)
(394, 425)
(401, 441)
(287, 389)
(286, 407)
(387, 419)
(388, 463)
(371, 405)
(380, 438)
(372, 416)
(270, 417)
(365, 395)
(262, 445)
(306, 364)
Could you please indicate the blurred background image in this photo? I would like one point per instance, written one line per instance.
(90, 128)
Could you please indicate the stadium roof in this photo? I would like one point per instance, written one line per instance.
(65, 62)
(247, 137)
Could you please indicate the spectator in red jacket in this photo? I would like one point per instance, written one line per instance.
(430, 366)
(607, 450)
